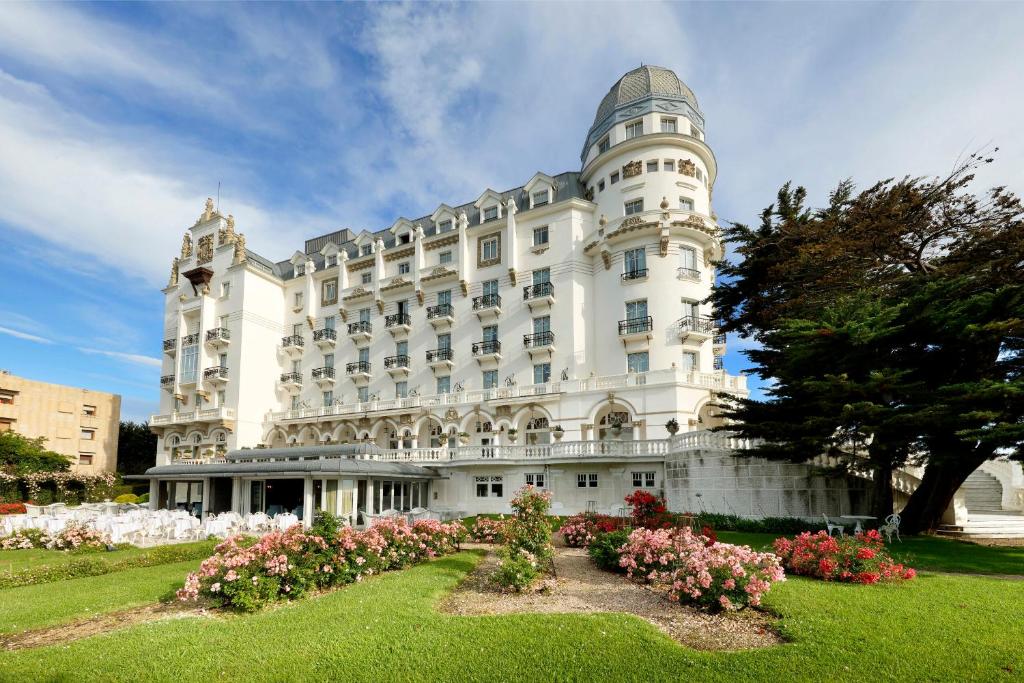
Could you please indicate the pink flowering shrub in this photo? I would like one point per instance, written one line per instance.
(486, 530)
(860, 558)
(717, 576)
(579, 530)
(246, 575)
(74, 536)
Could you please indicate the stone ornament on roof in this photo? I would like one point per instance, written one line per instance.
(208, 211)
(186, 246)
(173, 281)
(240, 256)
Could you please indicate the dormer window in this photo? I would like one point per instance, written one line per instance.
(403, 268)
(604, 145)
(365, 249)
(445, 225)
(300, 269)
(404, 238)
(490, 213)
(634, 129)
(330, 261)
(540, 197)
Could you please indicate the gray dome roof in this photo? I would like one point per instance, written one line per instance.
(641, 83)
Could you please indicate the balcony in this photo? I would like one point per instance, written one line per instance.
(539, 342)
(215, 414)
(488, 350)
(719, 340)
(218, 374)
(441, 315)
(634, 275)
(218, 337)
(540, 295)
(361, 331)
(691, 274)
(190, 339)
(397, 366)
(325, 338)
(487, 307)
(359, 372)
(170, 346)
(293, 345)
(695, 328)
(167, 382)
(441, 359)
(292, 381)
(636, 328)
(324, 376)
(398, 324)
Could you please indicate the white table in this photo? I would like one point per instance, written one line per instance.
(283, 520)
(857, 521)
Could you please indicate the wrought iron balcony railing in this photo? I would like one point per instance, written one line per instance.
(166, 380)
(488, 346)
(689, 273)
(401, 361)
(396, 319)
(293, 377)
(323, 373)
(538, 290)
(440, 311)
(218, 333)
(441, 354)
(486, 301)
(360, 326)
(635, 274)
(636, 325)
(357, 367)
(326, 334)
(692, 323)
(216, 372)
(190, 339)
(293, 340)
(536, 339)
(169, 344)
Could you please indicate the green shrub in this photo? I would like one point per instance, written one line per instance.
(517, 569)
(604, 549)
(144, 498)
(767, 525)
(126, 498)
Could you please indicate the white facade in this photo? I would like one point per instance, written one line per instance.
(573, 301)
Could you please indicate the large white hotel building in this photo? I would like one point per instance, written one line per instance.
(545, 334)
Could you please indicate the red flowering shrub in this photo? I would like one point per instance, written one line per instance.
(860, 558)
(12, 509)
(579, 530)
(649, 510)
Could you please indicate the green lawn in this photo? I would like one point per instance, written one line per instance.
(47, 604)
(923, 552)
(933, 628)
(16, 560)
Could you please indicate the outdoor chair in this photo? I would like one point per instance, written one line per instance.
(891, 526)
(833, 527)
(389, 513)
(34, 510)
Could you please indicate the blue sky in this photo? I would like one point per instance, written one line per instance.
(118, 120)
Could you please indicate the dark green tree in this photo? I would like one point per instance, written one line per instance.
(136, 448)
(891, 324)
(22, 455)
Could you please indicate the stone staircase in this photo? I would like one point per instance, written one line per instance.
(986, 518)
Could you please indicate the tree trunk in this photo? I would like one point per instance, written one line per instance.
(941, 479)
(881, 495)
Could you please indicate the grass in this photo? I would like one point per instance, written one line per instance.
(31, 607)
(17, 560)
(923, 552)
(933, 628)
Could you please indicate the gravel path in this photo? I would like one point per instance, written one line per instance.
(581, 587)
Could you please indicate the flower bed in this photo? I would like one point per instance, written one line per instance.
(580, 530)
(860, 558)
(74, 536)
(486, 530)
(245, 574)
(12, 509)
(696, 570)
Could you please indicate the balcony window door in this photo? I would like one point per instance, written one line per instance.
(444, 297)
(296, 366)
(222, 398)
(403, 309)
(297, 330)
(444, 385)
(328, 398)
(541, 373)
(688, 258)
(491, 333)
(636, 310)
(689, 361)
(691, 309)
(328, 360)
(364, 355)
(189, 363)
(402, 348)
(490, 288)
(364, 315)
(401, 389)
(295, 402)
(635, 260)
(637, 362)
(444, 341)
(541, 325)
(329, 322)
(223, 360)
(363, 394)
(541, 276)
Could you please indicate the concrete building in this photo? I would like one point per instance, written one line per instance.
(79, 423)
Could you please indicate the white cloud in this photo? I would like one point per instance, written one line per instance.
(127, 357)
(25, 335)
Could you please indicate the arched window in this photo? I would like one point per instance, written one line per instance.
(484, 428)
(436, 435)
(615, 425)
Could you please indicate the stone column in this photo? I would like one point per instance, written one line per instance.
(307, 502)
(154, 493)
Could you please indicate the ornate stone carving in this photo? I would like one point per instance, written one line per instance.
(504, 411)
(451, 415)
(512, 276)
(631, 221)
(588, 194)
(174, 273)
(227, 235)
(186, 246)
(419, 296)
(240, 256)
(204, 249)
(606, 256)
(208, 210)
(687, 167)
(405, 419)
(633, 168)
(464, 286)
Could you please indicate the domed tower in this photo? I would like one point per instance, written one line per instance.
(648, 169)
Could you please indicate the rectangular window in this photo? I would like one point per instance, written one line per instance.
(604, 145)
(490, 333)
(688, 259)
(700, 174)
(364, 355)
(363, 394)
(329, 322)
(489, 249)
(189, 363)
(490, 213)
(402, 348)
(298, 299)
(297, 366)
(670, 165)
(489, 486)
(634, 206)
(542, 324)
(444, 384)
(600, 185)
(404, 238)
(444, 297)
(490, 287)
(444, 258)
(541, 276)
(689, 361)
(614, 177)
(88, 434)
(540, 236)
(89, 411)
(444, 226)
(328, 360)
(685, 204)
(222, 398)
(652, 166)
(328, 399)
(635, 260)
(401, 389)
(444, 341)
(643, 480)
(330, 261)
(637, 362)
(222, 360)
(330, 293)
(85, 458)
(634, 129)
(364, 315)
(366, 250)
(540, 197)
(6, 425)
(7, 398)
(490, 379)
(403, 268)
(636, 309)
(365, 278)
(695, 133)
(297, 330)
(587, 480)
(225, 289)
(541, 373)
(536, 479)
(295, 402)
(691, 309)
(668, 125)
(300, 269)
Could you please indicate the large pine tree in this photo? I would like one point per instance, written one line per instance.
(890, 326)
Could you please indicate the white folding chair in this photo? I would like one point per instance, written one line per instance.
(891, 526)
(833, 527)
